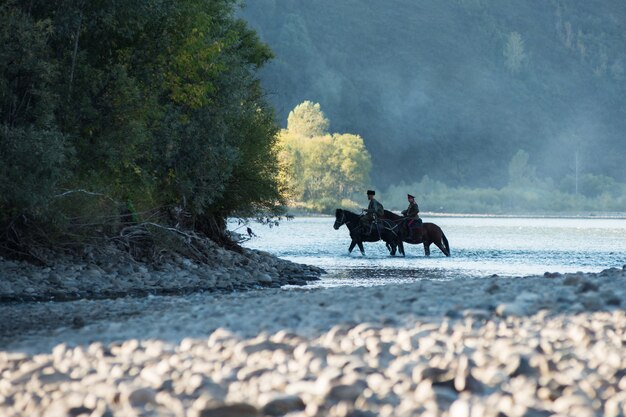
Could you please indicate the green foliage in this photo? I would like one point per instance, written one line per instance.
(324, 170)
(592, 186)
(308, 120)
(33, 153)
(153, 104)
(434, 196)
(32, 164)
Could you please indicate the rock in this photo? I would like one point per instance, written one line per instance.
(453, 314)
(535, 412)
(478, 314)
(54, 278)
(139, 397)
(527, 297)
(227, 410)
(587, 286)
(93, 273)
(264, 278)
(519, 365)
(571, 279)
(282, 405)
(78, 322)
(511, 309)
(460, 408)
(613, 300)
(444, 397)
(592, 302)
(346, 392)
(492, 288)
(437, 376)
(125, 270)
(467, 382)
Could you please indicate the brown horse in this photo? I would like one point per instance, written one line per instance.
(426, 233)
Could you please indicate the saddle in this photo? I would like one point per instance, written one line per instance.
(414, 227)
(371, 227)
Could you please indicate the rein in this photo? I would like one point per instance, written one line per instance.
(352, 221)
(344, 221)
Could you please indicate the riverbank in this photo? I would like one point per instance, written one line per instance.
(527, 346)
(520, 215)
(107, 272)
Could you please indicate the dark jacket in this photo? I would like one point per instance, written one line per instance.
(411, 211)
(375, 207)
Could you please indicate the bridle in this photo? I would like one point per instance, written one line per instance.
(343, 219)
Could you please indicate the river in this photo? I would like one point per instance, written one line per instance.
(480, 246)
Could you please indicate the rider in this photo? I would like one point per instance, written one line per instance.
(373, 211)
(412, 213)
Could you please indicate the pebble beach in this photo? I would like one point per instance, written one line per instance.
(550, 345)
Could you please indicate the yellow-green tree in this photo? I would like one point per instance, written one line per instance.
(322, 170)
(307, 119)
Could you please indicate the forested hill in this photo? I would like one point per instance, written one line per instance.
(455, 88)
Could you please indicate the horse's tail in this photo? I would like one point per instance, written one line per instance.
(445, 243)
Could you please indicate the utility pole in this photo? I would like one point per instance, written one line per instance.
(576, 170)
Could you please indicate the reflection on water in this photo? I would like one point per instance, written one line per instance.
(480, 247)
(378, 276)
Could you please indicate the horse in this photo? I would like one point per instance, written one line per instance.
(427, 233)
(386, 231)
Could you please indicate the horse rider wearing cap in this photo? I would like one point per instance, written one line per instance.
(412, 213)
(373, 211)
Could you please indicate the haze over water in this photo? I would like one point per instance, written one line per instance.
(480, 246)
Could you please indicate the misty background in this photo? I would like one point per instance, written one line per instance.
(455, 89)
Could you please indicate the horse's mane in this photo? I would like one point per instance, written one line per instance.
(389, 215)
(392, 216)
(347, 212)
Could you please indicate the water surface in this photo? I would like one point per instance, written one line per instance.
(480, 247)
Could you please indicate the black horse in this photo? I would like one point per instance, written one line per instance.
(425, 233)
(385, 230)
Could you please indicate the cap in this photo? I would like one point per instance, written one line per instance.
(409, 196)
(371, 192)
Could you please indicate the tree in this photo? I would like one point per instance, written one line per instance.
(34, 154)
(354, 164)
(520, 172)
(322, 170)
(307, 119)
(514, 53)
(154, 103)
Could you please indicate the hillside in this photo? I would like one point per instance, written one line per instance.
(454, 89)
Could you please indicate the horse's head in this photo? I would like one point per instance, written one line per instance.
(340, 219)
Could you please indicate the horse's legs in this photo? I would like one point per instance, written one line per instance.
(352, 245)
(392, 249)
(361, 248)
(426, 248)
(442, 248)
(401, 247)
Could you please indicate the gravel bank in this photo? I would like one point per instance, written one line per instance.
(111, 273)
(531, 346)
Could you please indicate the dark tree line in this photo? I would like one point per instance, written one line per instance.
(147, 109)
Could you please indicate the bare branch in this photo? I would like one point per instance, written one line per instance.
(80, 190)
